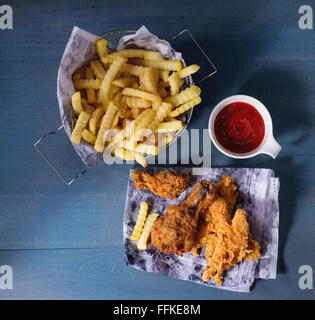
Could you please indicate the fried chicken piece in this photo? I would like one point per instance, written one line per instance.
(229, 241)
(228, 191)
(202, 228)
(164, 184)
(175, 231)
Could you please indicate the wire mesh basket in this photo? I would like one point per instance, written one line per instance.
(113, 39)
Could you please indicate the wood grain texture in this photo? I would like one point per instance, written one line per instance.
(66, 242)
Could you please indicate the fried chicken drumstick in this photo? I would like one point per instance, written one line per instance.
(164, 184)
(175, 231)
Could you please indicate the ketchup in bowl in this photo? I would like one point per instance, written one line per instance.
(239, 127)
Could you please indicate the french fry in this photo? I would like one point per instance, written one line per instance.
(129, 155)
(117, 98)
(164, 140)
(90, 92)
(79, 127)
(169, 138)
(125, 82)
(123, 107)
(110, 75)
(134, 102)
(109, 58)
(101, 47)
(105, 125)
(152, 55)
(115, 121)
(164, 74)
(170, 126)
(91, 95)
(133, 70)
(142, 242)
(161, 113)
(124, 154)
(188, 71)
(140, 159)
(112, 91)
(150, 80)
(88, 73)
(76, 103)
(88, 136)
(170, 65)
(169, 118)
(135, 112)
(127, 131)
(131, 126)
(133, 53)
(140, 221)
(87, 84)
(142, 94)
(184, 96)
(186, 106)
(145, 148)
(140, 53)
(95, 118)
(175, 83)
(87, 107)
(141, 127)
(98, 69)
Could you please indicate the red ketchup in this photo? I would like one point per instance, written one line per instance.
(239, 127)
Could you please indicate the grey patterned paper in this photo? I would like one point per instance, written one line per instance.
(80, 51)
(258, 189)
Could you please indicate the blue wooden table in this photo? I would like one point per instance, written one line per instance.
(66, 242)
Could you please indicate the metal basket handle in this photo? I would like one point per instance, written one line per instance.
(213, 69)
(68, 183)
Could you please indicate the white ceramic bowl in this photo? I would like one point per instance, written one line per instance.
(268, 146)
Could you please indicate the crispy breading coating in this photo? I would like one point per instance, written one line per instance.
(228, 191)
(175, 231)
(165, 184)
(229, 242)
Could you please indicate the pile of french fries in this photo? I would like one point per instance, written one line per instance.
(128, 101)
